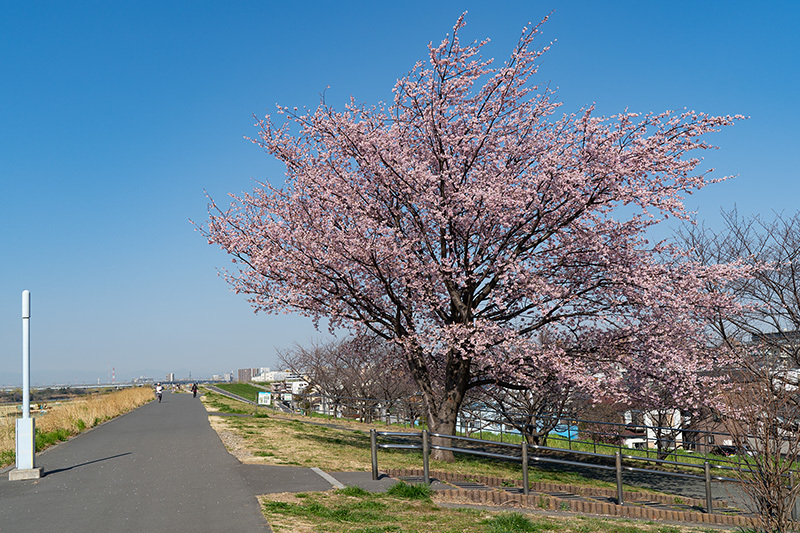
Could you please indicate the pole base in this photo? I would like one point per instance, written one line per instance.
(25, 473)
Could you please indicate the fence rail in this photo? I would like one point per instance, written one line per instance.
(525, 458)
(410, 412)
(570, 432)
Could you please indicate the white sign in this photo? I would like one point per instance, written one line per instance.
(264, 398)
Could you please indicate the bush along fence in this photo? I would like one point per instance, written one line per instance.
(521, 453)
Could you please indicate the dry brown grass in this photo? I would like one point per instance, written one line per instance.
(76, 415)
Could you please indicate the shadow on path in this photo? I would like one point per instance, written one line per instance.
(51, 472)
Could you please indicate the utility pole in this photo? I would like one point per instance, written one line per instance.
(26, 426)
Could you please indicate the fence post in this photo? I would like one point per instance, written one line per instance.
(525, 488)
(792, 481)
(373, 444)
(618, 458)
(709, 508)
(425, 452)
(569, 435)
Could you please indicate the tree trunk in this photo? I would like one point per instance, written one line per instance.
(442, 400)
(443, 422)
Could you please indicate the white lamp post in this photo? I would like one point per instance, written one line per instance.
(26, 426)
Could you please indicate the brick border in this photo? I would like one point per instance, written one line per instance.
(497, 496)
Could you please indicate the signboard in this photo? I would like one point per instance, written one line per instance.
(264, 398)
(287, 397)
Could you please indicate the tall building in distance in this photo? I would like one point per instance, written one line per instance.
(170, 377)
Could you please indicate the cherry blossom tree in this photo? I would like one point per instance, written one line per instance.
(467, 216)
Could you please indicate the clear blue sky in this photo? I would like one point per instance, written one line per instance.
(117, 115)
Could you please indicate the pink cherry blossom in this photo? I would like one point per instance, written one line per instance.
(469, 216)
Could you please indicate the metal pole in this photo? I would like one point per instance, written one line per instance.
(25, 445)
(426, 472)
(525, 488)
(709, 508)
(373, 443)
(569, 434)
(791, 489)
(618, 457)
(26, 354)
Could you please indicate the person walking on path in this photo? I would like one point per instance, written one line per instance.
(159, 391)
(194, 390)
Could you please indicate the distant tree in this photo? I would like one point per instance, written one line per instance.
(771, 294)
(532, 411)
(466, 217)
(363, 372)
(760, 412)
(600, 422)
(760, 407)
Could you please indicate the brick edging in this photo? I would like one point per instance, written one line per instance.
(553, 503)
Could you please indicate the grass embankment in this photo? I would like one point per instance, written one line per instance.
(412, 508)
(278, 439)
(341, 445)
(65, 419)
(245, 390)
(249, 391)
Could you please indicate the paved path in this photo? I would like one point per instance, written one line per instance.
(158, 468)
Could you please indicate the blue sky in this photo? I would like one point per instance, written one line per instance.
(117, 115)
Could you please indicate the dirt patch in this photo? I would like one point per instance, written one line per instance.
(236, 445)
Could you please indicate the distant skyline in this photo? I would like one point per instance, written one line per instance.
(116, 117)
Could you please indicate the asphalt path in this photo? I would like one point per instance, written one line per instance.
(158, 468)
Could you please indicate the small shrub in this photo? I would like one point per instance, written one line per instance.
(410, 491)
(80, 424)
(8, 457)
(514, 522)
(353, 491)
(48, 438)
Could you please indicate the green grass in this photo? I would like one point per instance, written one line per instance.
(411, 491)
(245, 390)
(8, 457)
(513, 522)
(43, 440)
(225, 405)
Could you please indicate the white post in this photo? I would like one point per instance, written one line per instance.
(26, 426)
(26, 354)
